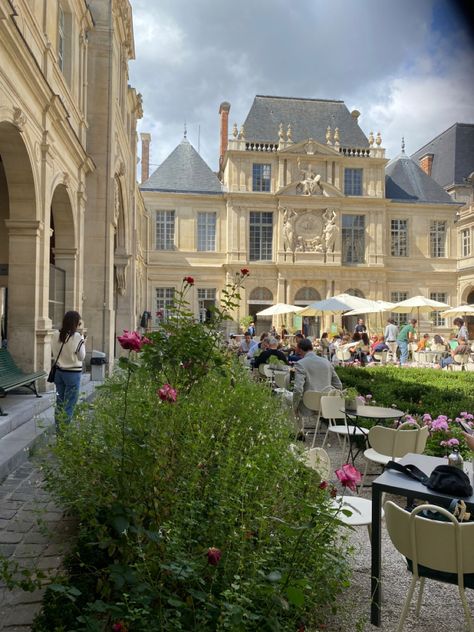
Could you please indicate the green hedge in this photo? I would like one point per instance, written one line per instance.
(415, 391)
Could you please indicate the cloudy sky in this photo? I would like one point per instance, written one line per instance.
(406, 65)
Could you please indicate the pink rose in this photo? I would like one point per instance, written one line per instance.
(132, 340)
(167, 393)
(349, 476)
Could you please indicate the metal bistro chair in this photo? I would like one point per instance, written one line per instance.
(360, 508)
(332, 409)
(459, 362)
(387, 444)
(437, 550)
(312, 400)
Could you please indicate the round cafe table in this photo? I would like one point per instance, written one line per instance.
(377, 413)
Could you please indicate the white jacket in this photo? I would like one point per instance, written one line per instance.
(72, 353)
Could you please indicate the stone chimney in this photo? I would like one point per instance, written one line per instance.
(224, 114)
(146, 139)
(426, 163)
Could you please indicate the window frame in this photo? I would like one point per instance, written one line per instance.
(438, 238)
(263, 232)
(164, 303)
(466, 242)
(442, 297)
(397, 296)
(261, 182)
(205, 241)
(398, 234)
(354, 181)
(167, 240)
(350, 232)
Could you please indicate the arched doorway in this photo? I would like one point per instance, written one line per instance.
(62, 257)
(309, 325)
(21, 233)
(260, 298)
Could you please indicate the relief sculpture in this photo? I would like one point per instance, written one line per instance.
(309, 231)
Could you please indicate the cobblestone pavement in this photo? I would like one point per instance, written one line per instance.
(34, 533)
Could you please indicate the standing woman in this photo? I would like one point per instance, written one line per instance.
(69, 349)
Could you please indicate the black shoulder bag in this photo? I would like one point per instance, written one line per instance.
(52, 372)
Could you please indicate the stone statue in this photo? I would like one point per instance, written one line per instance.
(310, 182)
(289, 237)
(330, 230)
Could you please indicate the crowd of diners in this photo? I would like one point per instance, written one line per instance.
(358, 347)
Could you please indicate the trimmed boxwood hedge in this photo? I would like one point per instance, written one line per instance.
(415, 391)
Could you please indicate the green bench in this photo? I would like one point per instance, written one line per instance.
(12, 377)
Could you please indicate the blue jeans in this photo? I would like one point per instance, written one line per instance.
(403, 346)
(67, 390)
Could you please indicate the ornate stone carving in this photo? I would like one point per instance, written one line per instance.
(378, 140)
(336, 137)
(281, 134)
(328, 135)
(311, 147)
(371, 139)
(66, 178)
(309, 231)
(19, 118)
(289, 132)
(235, 131)
(117, 201)
(242, 133)
(121, 278)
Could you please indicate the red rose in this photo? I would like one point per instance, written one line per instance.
(323, 484)
(189, 280)
(213, 556)
(132, 340)
(244, 272)
(167, 393)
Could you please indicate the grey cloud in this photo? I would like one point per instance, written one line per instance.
(195, 54)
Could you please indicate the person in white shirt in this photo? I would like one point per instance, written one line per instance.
(68, 349)
(390, 335)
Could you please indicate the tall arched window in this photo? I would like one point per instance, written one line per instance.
(354, 292)
(261, 295)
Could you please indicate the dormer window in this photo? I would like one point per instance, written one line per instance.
(261, 177)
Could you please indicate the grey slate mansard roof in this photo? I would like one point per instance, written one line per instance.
(309, 118)
(453, 154)
(184, 171)
(406, 181)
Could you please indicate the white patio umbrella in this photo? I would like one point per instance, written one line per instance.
(375, 307)
(460, 310)
(279, 308)
(329, 306)
(354, 302)
(418, 303)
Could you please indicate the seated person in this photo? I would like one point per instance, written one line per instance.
(256, 346)
(312, 373)
(423, 343)
(294, 356)
(462, 349)
(271, 351)
(359, 348)
(324, 344)
(245, 344)
(438, 343)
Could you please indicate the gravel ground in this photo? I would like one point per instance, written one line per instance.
(441, 611)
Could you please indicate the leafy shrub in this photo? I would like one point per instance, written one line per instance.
(193, 512)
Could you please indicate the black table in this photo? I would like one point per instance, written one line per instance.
(397, 483)
(378, 413)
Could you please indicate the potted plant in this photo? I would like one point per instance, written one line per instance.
(350, 396)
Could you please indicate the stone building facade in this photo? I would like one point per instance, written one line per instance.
(68, 201)
(311, 206)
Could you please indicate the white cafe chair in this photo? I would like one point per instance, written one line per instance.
(360, 508)
(332, 409)
(433, 547)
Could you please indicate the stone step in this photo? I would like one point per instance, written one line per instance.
(28, 420)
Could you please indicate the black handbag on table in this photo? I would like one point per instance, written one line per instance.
(445, 479)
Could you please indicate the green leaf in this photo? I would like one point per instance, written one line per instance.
(295, 596)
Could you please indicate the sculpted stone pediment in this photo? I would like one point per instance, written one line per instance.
(310, 147)
(318, 188)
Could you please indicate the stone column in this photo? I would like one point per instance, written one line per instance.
(23, 283)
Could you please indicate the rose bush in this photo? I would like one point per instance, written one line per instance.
(193, 512)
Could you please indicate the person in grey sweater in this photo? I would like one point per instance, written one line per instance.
(312, 373)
